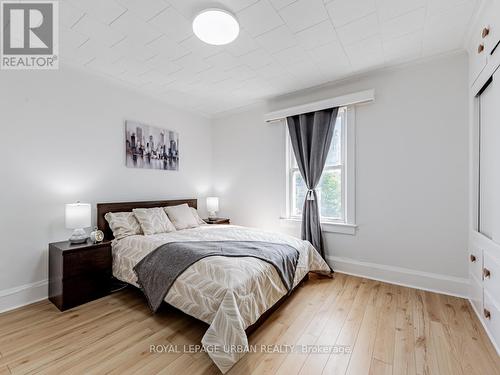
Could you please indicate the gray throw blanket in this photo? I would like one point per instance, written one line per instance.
(157, 271)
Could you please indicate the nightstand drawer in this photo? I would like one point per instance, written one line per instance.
(87, 262)
(82, 289)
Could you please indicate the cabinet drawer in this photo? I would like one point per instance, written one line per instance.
(491, 275)
(85, 262)
(476, 293)
(476, 263)
(491, 317)
(82, 289)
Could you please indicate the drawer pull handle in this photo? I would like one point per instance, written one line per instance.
(485, 32)
(486, 273)
(487, 314)
(473, 258)
(480, 48)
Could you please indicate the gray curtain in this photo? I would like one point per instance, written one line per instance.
(311, 135)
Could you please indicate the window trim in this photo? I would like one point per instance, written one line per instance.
(346, 225)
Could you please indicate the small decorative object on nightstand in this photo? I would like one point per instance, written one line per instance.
(96, 235)
(217, 220)
(78, 273)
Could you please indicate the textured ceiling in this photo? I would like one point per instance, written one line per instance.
(283, 45)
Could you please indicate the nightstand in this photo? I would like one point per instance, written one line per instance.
(78, 273)
(217, 220)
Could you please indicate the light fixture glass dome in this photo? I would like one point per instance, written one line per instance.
(216, 26)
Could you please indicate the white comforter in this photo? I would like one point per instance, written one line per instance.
(229, 294)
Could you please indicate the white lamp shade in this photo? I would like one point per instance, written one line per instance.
(212, 204)
(78, 215)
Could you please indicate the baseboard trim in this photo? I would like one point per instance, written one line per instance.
(432, 282)
(23, 295)
(490, 336)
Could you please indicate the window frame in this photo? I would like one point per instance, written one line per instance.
(347, 168)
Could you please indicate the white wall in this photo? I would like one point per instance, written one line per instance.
(411, 173)
(62, 137)
(62, 140)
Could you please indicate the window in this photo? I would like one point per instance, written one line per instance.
(335, 190)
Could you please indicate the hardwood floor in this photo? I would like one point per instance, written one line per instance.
(389, 329)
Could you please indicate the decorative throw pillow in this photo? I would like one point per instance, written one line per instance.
(181, 216)
(197, 216)
(153, 220)
(123, 224)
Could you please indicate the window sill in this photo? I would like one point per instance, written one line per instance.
(329, 227)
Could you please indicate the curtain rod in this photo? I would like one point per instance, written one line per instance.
(339, 101)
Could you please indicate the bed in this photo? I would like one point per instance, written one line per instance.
(231, 295)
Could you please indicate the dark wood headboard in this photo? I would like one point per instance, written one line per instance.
(104, 208)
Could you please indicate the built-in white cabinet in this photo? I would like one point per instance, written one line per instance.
(483, 46)
(484, 241)
(484, 275)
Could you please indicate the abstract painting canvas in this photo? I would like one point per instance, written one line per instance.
(151, 147)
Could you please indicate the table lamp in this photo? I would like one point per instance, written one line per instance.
(212, 207)
(78, 216)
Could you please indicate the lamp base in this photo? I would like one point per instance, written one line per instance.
(212, 215)
(78, 236)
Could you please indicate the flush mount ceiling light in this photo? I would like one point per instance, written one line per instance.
(216, 26)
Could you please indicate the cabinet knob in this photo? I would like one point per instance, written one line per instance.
(485, 32)
(473, 258)
(487, 314)
(486, 273)
(480, 48)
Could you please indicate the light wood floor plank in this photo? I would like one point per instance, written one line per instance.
(404, 342)
(383, 351)
(364, 346)
(425, 358)
(297, 329)
(475, 350)
(378, 367)
(304, 363)
(337, 363)
(306, 329)
(390, 330)
(315, 363)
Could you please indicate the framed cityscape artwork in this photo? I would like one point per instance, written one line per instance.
(150, 147)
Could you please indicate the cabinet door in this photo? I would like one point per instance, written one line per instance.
(489, 161)
(477, 59)
(493, 24)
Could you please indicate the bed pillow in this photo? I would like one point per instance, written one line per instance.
(123, 224)
(153, 220)
(200, 221)
(181, 216)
